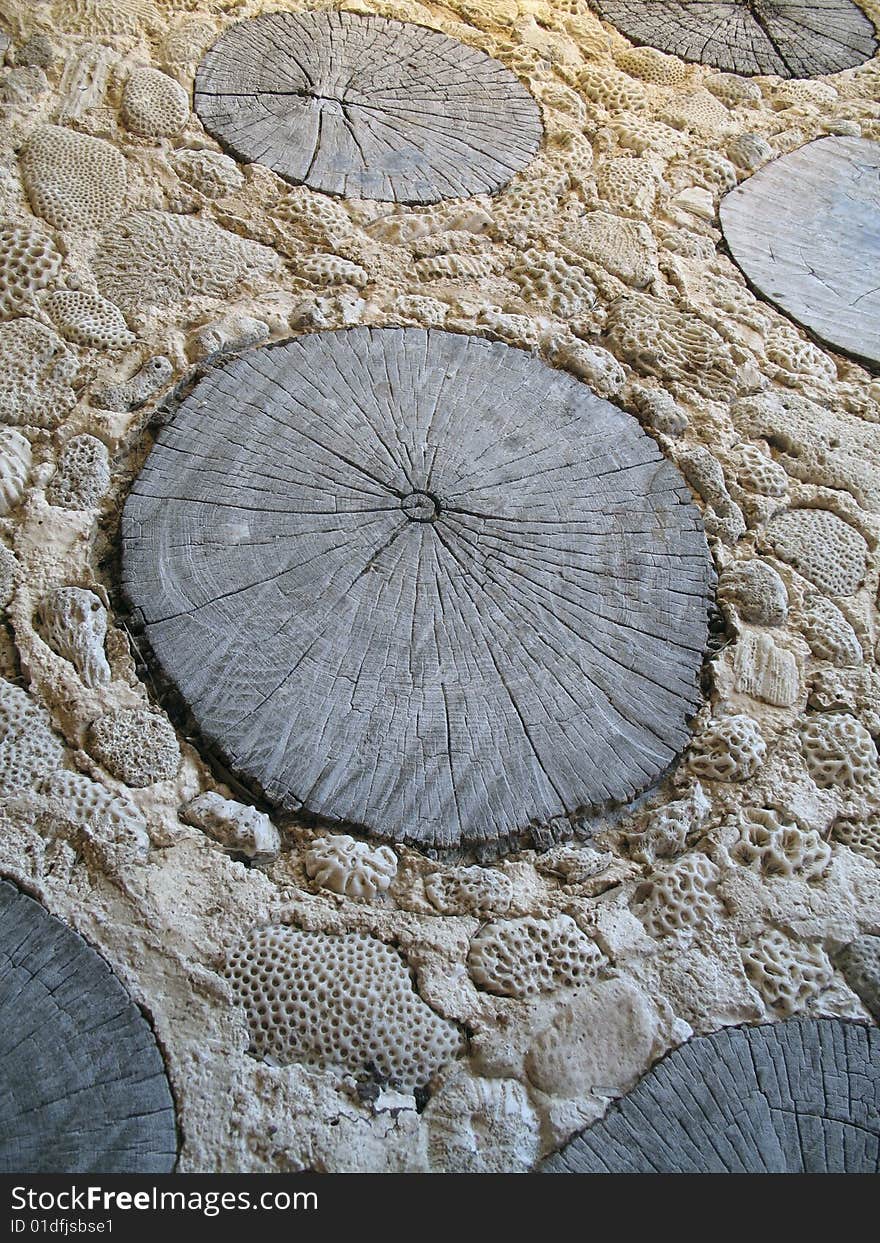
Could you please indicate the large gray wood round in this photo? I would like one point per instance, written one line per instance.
(421, 583)
(792, 38)
(82, 1083)
(366, 107)
(805, 230)
(801, 1097)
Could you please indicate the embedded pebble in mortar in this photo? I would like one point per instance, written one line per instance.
(524, 957)
(765, 670)
(342, 1002)
(38, 371)
(135, 392)
(236, 826)
(860, 963)
(29, 261)
(786, 973)
(15, 468)
(90, 805)
(482, 1126)
(154, 104)
(231, 334)
(72, 180)
(754, 592)
(9, 573)
(75, 624)
(469, 891)
(774, 845)
(344, 865)
(29, 749)
(135, 745)
(839, 752)
(82, 476)
(731, 748)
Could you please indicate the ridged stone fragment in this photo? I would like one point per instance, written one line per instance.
(420, 583)
(800, 1097)
(366, 107)
(82, 1083)
(792, 38)
(804, 230)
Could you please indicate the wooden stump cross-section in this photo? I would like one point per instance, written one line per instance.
(420, 583)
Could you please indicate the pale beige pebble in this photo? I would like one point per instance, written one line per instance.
(704, 473)
(599, 368)
(9, 573)
(74, 622)
(230, 334)
(210, 172)
(344, 865)
(15, 468)
(37, 372)
(797, 356)
(134, 392)
(765, 670)
(135, 745)
(731, 748)
(749, 151)
(234, 825)
(482, 1126)
(153, 104)
(74, 181)
(704, 983)
(29, 261)
(697, 200)
(658, 409)
(752, 591)
(87, 319)
(599, 1043)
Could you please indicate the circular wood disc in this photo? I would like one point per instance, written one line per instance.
(805, 230)
(82, 1083)
(792, 38)
(420, 583)
(366, 107)
(801, 1097)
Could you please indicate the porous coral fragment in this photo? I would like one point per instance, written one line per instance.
(36, 375)
(346, 866)
(75, 624)
(680, 898)
(774, 845)
(524, 957)
(87, 319)
(74, 181)
(154, 104)
(787, 973)
(29, 261)
(839, 752)
(342, 1002)
(821, 546)
(135, 745)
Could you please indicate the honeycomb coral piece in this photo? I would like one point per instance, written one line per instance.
(88, 804)
(332, 270)
(627, 184)
(613, 90)
(733, 90)
(210, 172)
(87, 319)
(75, 624)
(82, 476)
(29, 261)
(29, 750)
(698, 111)
(107, 17)
(786, 973)
(652, 66)
(524, 957)
(731, 748)
(839, 752)
(343, 1002)
(757, 472)
(774, 845)
(862, 836)
(625, 248)
(469, 891)
(344, 865)
(545, 277)
(822, 547)
(754, 592)
(680, 899)
(860, 963)
(453, 267)
(659, 340)
(136, 746)
(73, 181)
(160, 259)
(36, 373)
(828, 633)
(153, 104)
(15, 467)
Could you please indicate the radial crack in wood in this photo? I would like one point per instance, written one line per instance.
(420, 583)
(791, 38)
(801, 1097)
(82, 1083)
(365, 107)
(805, 230)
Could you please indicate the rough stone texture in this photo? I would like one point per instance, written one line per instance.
(135, 745)
(860, 963)
(435, 553)
(801, 1097)
(803, 229)
(365, 107)
(799, 39)
(84, 1087)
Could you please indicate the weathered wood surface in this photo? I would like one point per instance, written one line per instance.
(420, 582)
(801, 1097)
(805, 230)
(792, 38)
(366, 107)
(82, 1082)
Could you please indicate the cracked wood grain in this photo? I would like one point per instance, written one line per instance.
(800, 1097)
(805, 230)
(365, 107)
(420, 583)
(82, 1083)
(792, 38)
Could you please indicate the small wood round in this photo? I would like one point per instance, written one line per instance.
(791, 38)
(82, 1083)
(366, 107)
(805, 230)
(420, 583)
(801, 1097)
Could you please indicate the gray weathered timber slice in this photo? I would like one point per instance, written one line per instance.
(789, 1098)
(805, 230)
(420, 583)
(792, 38)
(82, 1083)
(366, 107)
